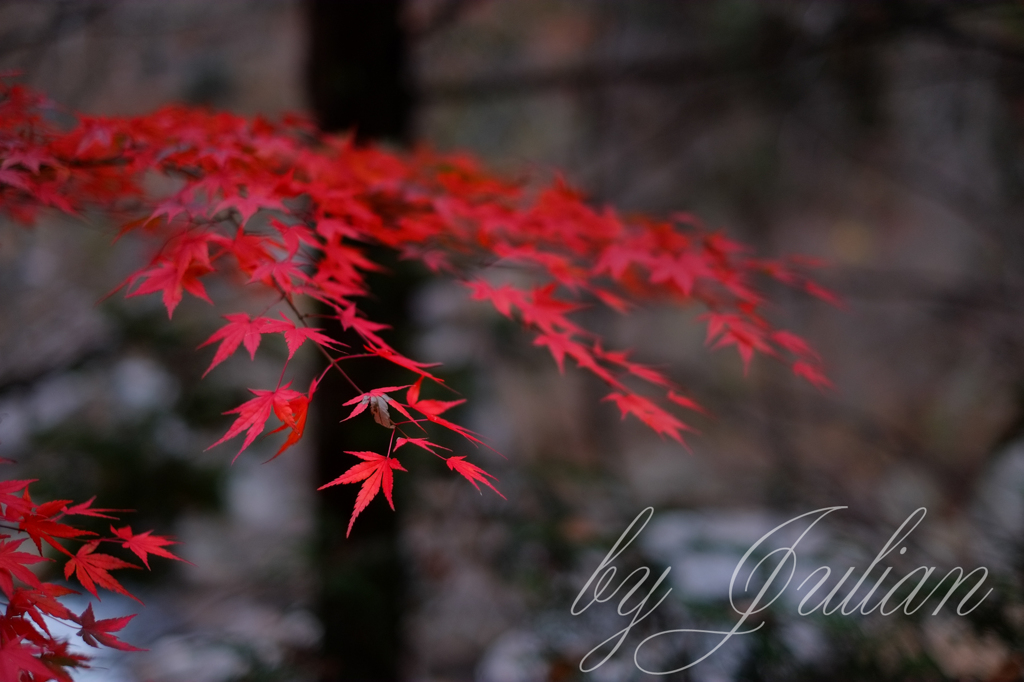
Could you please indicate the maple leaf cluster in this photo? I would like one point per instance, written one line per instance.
(28, 649)
(286, 208)
(283, 207)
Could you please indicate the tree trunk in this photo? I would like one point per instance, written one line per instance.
(357, 79)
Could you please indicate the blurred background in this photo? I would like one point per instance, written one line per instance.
(885, 136)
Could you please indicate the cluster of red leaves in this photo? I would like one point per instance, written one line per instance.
(281, 206)
(286, 208)
(28, 649)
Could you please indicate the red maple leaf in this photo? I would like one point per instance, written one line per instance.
(249, 250)
(682, 270)
(53, 194)
(548, 313)
(58, 656)
(351, 319)
(292, 414)
(818, 291)
(377, 471)
(169, 208)
(646, 411)
(617, 257)
(30, 159)
(92, 569)
(621, 358)
(793, 343)
(257, 198)
(613, 301)
(15, 486)
(241, 329)
(253, 414)
(428, 407)
(42, 600)
(95, 632)
(559, 345)
(730, 329)
(40, 527)
(144, 544)
(812, 374)
(472, 473)
(172, 280)
(283, 274)
(16, 658)
(12, 564)
(183, 261)
(295, 336)
(503, 298)
(688, 403)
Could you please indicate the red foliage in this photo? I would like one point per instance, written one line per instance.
(377, 472)
(282, 206)
(28, 651)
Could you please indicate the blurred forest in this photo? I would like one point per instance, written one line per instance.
(883, 136)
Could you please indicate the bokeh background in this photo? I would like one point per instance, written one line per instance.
(885, 136)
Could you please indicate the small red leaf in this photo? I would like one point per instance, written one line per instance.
(377, 472)
(144, 544)
(93, 569)
(95, 632)
(472, 473)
